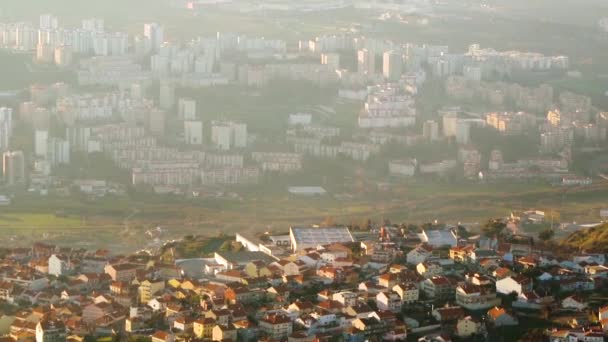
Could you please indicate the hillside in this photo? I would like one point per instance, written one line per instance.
(592, 240)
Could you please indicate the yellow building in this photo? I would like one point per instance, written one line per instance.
(257, 269)
(224, 333)
(203, 328)
(148, 288)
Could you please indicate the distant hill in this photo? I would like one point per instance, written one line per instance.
(592, 240)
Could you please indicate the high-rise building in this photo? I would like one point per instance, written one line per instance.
(167, 95)
(193, 132)
(430, 130)
(13, 167)
(156, 121)
(58, 151)
(331, 59)
(463, 132)
(93, 25)
(155, 35)
(392, 65)
(6, 127)
(25, 37)
(45, 53)
(78, 137)
(186, 109)
(366, 62)
(41, 139)
(63, 56)
(228, 134)
(48, 22)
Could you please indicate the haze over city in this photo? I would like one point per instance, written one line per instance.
(314, 170)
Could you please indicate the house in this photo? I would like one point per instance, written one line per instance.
(518, 284)
(330, 274)
(359, 311)
(388, 280)
(388, 301)
(183, 324)
(603, 317)
(243, 294)
(532, 301)
(596, 271)
(528, 261)
(419, 254)
(474, 297)
(221, 316)
(50, 331)
(291, 268)
(574, 302)
(577, 284)
(203, 328)
(6, 291)
(461, 253)
(370, 287)
(224, 333)
(94, 312)
(501, 273)
(467, 327)
(346, 298)
(300, 307)
(60, 265)
(276, 326)
(148, 288)
(369, 327)
(448, 314)
(121, 272)
(480, 254)
(162, 336)
(438, 288)
(257, 269)
(500, 318)
(408, 292)
(429, 269)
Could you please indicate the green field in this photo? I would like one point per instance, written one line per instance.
(121, 223)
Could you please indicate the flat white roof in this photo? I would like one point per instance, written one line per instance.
(312, 236)
(306, 190)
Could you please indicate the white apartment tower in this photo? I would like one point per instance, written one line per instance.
(186, 109)
(193, 132)
(155, 35)
(392, 65)
(13, 167)
(366, 62)
(228, 134)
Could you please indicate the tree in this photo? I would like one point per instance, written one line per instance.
(493, 227)
(546, 234)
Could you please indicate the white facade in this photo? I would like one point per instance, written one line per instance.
(392, 65)
(6, 127)
(228, 134)
(509, 285)
(439, 238)
(366, 62)
(41, 143)
(154, 34)
(186, 109)
(402, 167)
(193, 132)
(312, 237)
(58, 265)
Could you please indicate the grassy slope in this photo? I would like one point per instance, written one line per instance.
(593, 239)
